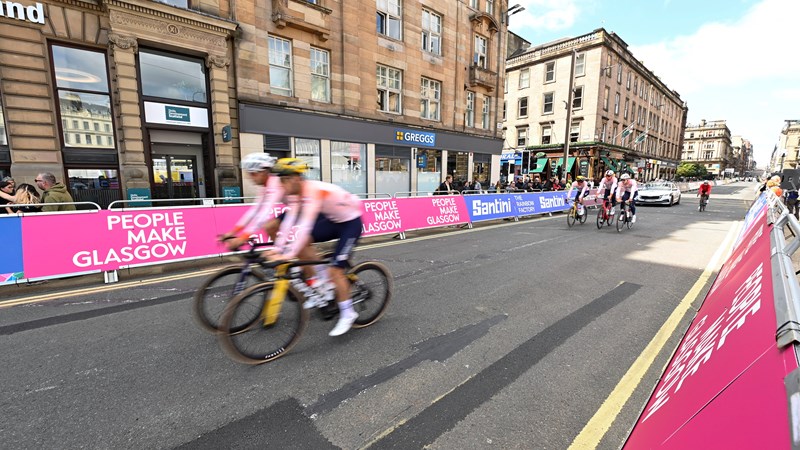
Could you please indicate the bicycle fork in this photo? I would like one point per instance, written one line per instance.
(272, 306)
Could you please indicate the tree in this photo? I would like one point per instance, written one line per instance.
(689, 170)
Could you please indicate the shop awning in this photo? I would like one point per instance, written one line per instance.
(541, 164)
(570, 162)
(609, 163)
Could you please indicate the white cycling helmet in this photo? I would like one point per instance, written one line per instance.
(258, 162)
(609, 172)
(625, 176)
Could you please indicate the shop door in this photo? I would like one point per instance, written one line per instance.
(174, 177)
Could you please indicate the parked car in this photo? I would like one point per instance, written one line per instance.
(664, 193)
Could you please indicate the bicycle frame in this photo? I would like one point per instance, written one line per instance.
(273, 306)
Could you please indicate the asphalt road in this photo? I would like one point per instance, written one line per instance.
(509, 335)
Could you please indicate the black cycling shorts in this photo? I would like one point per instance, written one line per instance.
(347, 233)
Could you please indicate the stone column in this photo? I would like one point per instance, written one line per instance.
(128, 114)
(226, 171)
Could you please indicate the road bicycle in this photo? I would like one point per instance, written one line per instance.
(573, 216)
(604, 215)
(625, 218)
(266, 320)
(220, 287)
(703, 203)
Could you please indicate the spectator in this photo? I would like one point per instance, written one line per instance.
(774, 184)
(556, 185)
(498, 186)
(24, 200)
(519, 185)
(548, 184)
(537, 184)
(53, 192)
(474, 186)
(792, 202)
(446, 188)
(6, 195)
(13, 183)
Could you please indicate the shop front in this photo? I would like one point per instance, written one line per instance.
(369, 158)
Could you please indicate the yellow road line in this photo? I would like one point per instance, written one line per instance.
(600, 423)
(186, 276)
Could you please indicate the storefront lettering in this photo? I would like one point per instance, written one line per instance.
(416, 137)
(13, 10)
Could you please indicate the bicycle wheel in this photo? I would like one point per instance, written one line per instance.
(218, 289)
(372, 285)
(600, 219)
(245, 337)
(582, 218)
(621, 220)
(571, 217)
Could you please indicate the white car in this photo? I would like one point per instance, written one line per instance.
(662, 193)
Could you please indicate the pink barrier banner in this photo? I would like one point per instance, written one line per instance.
(435, 211)
(727, 374)
(381, 216)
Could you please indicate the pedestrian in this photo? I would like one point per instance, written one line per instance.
(6, 195)
(446, 188)
(25, 200)
(792, 202)
(53, 192)
(498, 187)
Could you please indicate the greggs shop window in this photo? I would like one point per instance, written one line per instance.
(87, 125)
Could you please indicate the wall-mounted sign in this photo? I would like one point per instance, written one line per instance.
(226, 133)
(175, 115)
(415, 137)
(13, 10)
(422, 161)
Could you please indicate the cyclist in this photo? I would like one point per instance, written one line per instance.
(704, 192)
(627, 192)
(582, 187)
(261, 215)
(319, 212)
(607, 187)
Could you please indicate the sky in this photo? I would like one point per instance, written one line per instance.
(734, 60)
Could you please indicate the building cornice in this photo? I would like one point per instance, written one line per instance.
(195, 19)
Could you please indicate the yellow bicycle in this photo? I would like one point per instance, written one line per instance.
(266, 320)
(573, 216)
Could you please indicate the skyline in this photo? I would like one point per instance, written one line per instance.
(723, 58)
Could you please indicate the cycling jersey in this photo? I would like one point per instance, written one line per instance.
(705, 189)
(582, 190)
(260, 213)
(317, 200)
(622, 188)
(607, 185)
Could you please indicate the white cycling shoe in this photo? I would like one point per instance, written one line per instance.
(346, 320)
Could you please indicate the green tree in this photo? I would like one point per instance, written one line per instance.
(689, 170)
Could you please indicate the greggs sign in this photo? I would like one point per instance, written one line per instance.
(13, 10)
(415, 137)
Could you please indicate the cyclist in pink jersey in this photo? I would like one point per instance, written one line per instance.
(262, 215)
(606, 188)
(627, 192)
(319, 212)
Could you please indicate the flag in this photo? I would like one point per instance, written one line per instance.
(627, 131)
(640, 138)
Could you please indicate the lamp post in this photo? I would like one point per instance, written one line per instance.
(573, 57)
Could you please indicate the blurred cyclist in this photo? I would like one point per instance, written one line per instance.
(582, 187)
(320, 212)
(606, 188)
(627, 192)
(704, 192)
(261, 215)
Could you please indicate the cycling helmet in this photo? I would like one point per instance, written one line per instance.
(705, 182)
(609, 173)
(289, 166)
(580, 178)
(625, 176)
(256, 162)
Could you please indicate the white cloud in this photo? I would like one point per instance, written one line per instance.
(728, 70)
(551, 15)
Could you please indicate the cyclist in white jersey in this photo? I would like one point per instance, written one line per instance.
(607, 187)
(627, 192)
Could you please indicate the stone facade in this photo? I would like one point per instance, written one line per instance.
(788, 150)
(709, 144)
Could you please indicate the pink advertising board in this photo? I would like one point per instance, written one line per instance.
(727, 374)
(435, 211)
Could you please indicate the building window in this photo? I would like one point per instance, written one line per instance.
(308, 151)
(82, 98)
(609, 63)
(522, 107)
(603, 132)
(616, 103)
(179, 3)
(522, 136)
(430, 96)
(524, 78)
(348, 166)
(574, 131)
(480, 58)
(606, 98)
(577, 98)
(94, 185)
(469, 118)
(708, 154)
(635, 85)
(320, 75)
(504, 110)
(505, 84)
(547, 103)
(547, 134)
(550, 72)
(389, 19)
(168, 76)
(390, 85)
(619, 73)
(473, 4)
(580, 65)
(628, 82)
(431, 32)
(485, 113)
(280, 66)
(490, 7)
(625, 111)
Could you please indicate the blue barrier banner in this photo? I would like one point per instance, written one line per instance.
(488, 207)
(526, 204)
(11, 262)
(551, 201)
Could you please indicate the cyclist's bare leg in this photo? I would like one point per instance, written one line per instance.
(309, 253)
(340, 283)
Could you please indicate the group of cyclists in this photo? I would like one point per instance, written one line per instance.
(622, 190)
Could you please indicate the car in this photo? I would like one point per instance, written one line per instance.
(661, 193)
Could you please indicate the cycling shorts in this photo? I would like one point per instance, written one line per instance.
(347, 233)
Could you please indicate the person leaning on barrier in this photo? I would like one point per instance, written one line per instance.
(446, 188)
(791, 201)
(53, 192)
(25, 199)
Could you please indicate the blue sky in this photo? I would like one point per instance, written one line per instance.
(734, 60)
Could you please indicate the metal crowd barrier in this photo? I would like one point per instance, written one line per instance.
(375, 195)
(206, 201)
(784, 276)
(93, 204)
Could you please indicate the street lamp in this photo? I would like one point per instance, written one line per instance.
(511, 11)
